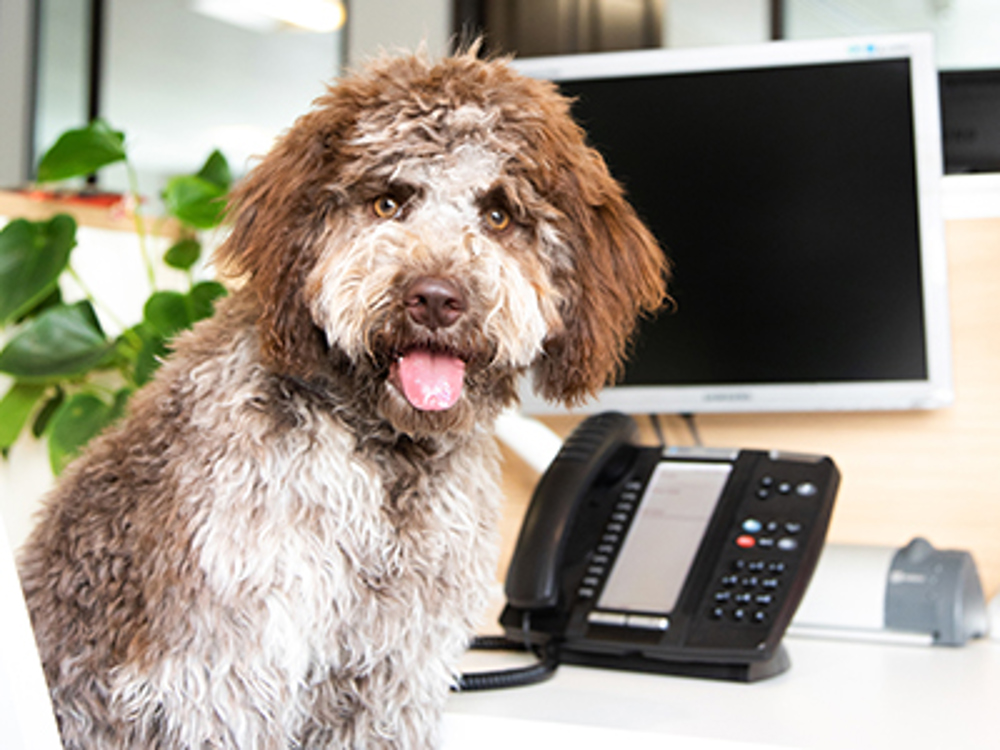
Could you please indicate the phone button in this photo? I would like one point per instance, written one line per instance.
(615, 619)
(648, 622)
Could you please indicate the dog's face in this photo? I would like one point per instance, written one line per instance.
(436, 230)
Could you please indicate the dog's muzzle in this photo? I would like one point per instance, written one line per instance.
(429, 379)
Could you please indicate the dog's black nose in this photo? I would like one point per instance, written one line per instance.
(434, 302)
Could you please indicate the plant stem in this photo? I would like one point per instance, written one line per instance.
(89, 295)
(140, 227)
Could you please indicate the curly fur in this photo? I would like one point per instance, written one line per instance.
(276, 548)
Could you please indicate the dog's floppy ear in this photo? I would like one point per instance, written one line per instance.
(619, 274)
(279, 212)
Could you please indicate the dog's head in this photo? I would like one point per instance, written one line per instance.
(438, 229)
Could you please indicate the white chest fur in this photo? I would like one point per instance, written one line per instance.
(325, 563)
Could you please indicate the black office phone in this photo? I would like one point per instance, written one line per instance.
(684, 561)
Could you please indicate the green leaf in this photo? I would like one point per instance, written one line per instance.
(154, 350)
(216, 170)
(81, 152)
(202, 299)
(32, 256)
(195, 201)
(122, 396)
(142, 348)
(15, 408)
(41, 422)
(63, 341)
(183, 254)
(167, 313)
(54, 299)
(78, 420)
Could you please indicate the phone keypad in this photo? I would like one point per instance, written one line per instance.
(746, 593)
(750, 589)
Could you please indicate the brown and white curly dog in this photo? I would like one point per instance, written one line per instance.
(289, 540)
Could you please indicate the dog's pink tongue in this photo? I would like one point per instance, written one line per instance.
(431, 381)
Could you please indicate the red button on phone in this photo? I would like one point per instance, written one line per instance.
(745, 541)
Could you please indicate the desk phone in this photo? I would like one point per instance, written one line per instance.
(682, 561)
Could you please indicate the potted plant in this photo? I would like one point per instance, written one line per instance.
(70, 378)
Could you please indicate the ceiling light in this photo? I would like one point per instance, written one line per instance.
(322, 16)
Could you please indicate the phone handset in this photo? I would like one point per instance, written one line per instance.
(533, 575)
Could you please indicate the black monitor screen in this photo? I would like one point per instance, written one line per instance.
(786, 201)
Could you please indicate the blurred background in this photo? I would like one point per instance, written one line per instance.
(182, 77)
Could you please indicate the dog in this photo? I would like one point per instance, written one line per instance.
(289, 539)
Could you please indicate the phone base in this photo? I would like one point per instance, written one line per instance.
(732, 672)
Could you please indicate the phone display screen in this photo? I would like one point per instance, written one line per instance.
(663, 539)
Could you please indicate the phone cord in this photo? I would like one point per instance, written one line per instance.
(548, 661)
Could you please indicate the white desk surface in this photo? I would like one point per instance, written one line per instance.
(837, 695)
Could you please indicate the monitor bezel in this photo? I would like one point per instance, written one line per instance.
(934, 391)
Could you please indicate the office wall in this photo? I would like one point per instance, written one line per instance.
(702, 23)
(180, 84)
(374, 26)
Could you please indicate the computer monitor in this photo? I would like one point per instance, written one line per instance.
(795, 187)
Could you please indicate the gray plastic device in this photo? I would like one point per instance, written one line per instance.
(935, 591)
(916, 593)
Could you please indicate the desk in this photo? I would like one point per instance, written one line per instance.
(836, 696)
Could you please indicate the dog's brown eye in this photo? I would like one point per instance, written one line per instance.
(497, 219)
(386, 207)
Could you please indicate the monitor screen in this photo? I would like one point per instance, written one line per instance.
(795, 188)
